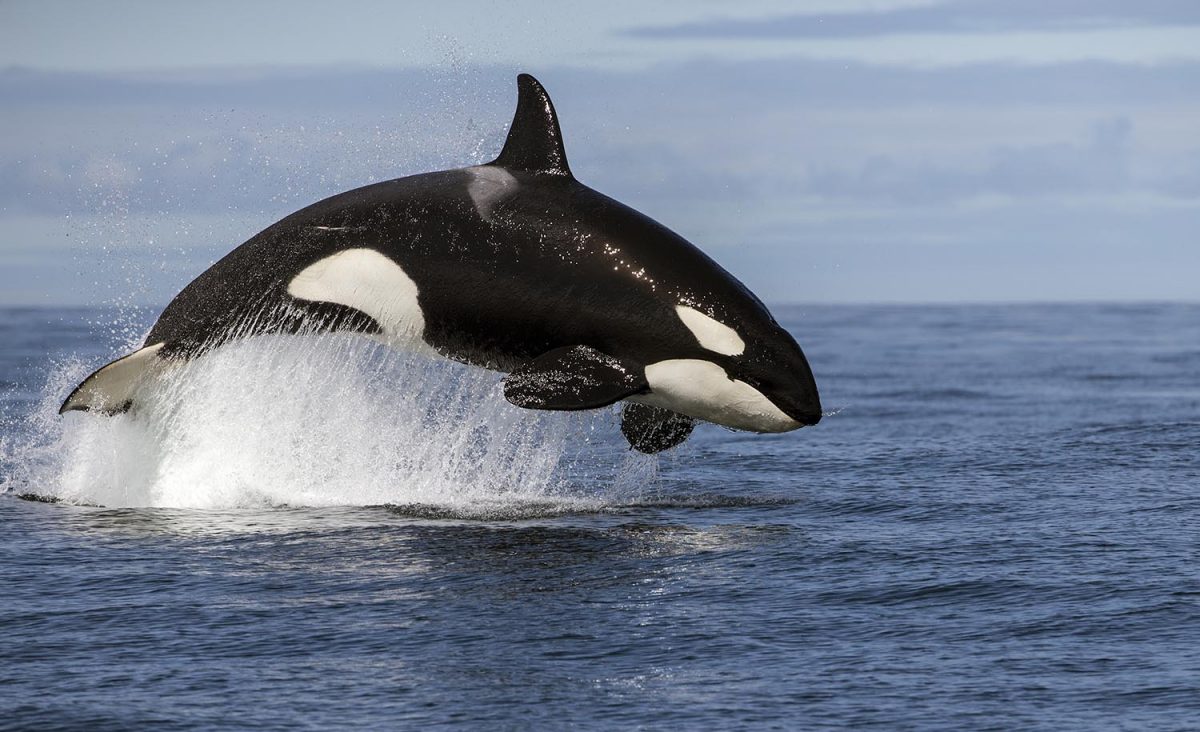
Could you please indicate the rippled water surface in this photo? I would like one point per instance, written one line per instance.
(994, 529)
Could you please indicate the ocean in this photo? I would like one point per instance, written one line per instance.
(993, 528)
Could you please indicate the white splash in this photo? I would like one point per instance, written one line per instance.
(322, 421)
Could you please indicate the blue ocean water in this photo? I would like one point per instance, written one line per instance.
(994, 529)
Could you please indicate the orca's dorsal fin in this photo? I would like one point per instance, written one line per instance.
(534, 141)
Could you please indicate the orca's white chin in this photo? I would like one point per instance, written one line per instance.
(703, 390)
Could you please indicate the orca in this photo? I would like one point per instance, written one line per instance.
(513, 266)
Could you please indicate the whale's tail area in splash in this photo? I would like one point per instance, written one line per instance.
(112, 388)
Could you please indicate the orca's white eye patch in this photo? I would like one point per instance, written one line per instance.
(713, 335)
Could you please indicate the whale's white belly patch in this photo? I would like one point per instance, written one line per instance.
(703, 390)
(372, 284)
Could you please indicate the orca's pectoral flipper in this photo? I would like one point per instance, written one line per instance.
(111, 389)
(653, 429)
(574, 377)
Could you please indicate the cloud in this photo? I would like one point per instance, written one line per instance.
(810, 180)
(244, 140)
(968, 16)
(676, 139)
(1097, 165)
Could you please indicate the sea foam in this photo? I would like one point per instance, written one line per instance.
(323, 420)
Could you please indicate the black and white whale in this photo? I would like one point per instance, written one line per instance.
(513, 266)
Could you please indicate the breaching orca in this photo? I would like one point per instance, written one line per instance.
(513, 266)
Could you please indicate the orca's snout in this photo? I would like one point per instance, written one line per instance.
(794, 397)
(804, 408)
(797, 395)
(808, 416)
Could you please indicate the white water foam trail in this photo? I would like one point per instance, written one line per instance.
(321, 421)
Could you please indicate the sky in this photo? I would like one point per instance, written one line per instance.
(848, 151)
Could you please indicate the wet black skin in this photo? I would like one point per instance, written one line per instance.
(553, 264)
